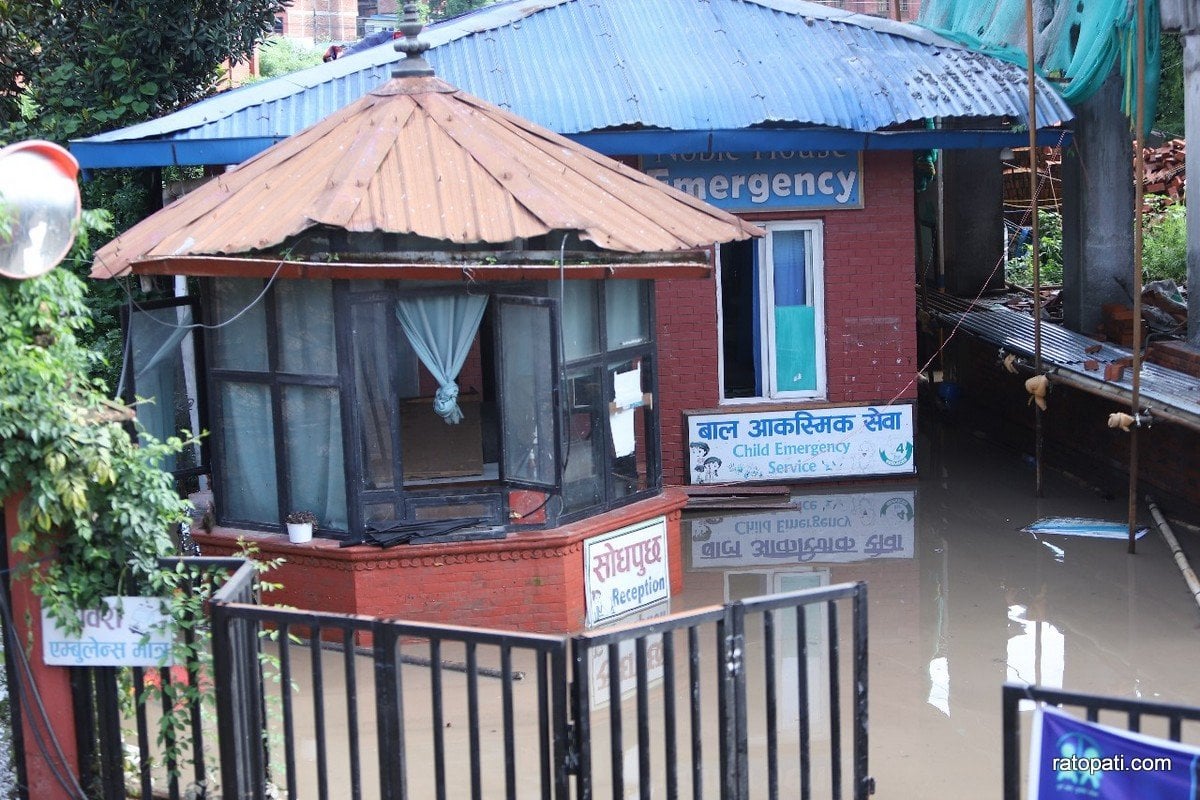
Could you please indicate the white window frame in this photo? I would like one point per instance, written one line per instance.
(814, 296)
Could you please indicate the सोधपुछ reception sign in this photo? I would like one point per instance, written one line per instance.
(626, 570)
(791, 446)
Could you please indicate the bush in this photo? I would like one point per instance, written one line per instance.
(1019, 270)
(1164, 242)
(1164, 247)
(281, 56)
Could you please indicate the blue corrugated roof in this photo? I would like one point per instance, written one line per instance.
(685, 75)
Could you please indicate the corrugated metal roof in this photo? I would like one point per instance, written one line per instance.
(580, 66)
(417, 156)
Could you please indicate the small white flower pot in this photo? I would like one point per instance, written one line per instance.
(299, 532)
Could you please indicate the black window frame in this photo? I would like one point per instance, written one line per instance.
(403, 499)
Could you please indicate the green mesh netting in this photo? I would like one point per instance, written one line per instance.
(1076, 42)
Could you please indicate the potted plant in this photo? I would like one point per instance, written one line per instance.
(300, 526)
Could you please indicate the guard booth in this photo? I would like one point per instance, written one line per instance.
(428, 322)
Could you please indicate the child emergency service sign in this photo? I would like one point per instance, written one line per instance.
(764, 181)
(791, 446)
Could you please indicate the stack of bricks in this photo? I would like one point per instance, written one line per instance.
(1116, 325)
(1177, 355)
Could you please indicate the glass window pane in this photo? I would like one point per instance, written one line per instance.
(626, 312)
(526, 393)
(161, 355)
(794, 323)
(304, 320)
(581, 331)
(312, 431)
(628, 427)
(376, 405)
(242, 343)
(583, 456)
(247, 488)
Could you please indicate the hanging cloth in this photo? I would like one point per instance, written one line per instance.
(441, 329)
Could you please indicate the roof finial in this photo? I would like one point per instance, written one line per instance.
(414, 63)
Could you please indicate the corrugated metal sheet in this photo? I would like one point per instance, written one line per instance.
(1064, 351)
(576, 66)
(418, 156)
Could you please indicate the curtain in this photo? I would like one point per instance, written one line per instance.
(441, 329)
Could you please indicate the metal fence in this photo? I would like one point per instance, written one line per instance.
(1128, 713)
(360, 707)
(108, 699)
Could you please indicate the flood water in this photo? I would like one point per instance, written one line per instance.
(959, 601)
(972, 602)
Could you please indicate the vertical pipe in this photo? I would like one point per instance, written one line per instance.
(1033, 245)
(1139, 171)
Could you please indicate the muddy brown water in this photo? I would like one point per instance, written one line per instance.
(975, 602)
(960, 601)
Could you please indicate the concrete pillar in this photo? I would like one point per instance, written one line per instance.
(973, 220)
(1097, 210)
(1191, 129)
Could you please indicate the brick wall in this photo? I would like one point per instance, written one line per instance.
(322, 20)
(527, 582)
(870, 311)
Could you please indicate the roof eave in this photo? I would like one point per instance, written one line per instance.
(693, 264)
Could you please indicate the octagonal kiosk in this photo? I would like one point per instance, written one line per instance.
(431, 324)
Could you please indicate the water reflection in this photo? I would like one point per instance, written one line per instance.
(960, 600)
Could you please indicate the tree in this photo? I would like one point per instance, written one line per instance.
(71, 69)
(74, 69)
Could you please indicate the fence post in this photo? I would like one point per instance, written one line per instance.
(240, 706)
(1011, 733)
(389, 711)
(734, 745)
(864, 784)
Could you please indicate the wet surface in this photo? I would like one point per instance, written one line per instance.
(960, 600)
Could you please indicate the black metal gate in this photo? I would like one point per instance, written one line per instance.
(737, 701)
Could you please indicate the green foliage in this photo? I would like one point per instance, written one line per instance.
(282, 56)
(71, 70)
(1164, 242)
(1164, 246)
(1169, 116)
(97, 510)
(1019, 270)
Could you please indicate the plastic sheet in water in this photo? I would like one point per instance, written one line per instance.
(1078, 526)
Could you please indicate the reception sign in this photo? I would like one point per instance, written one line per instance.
(626, 570)
(786, 180)
(825, 529)
(1071, 758)
(792, 446)
(127, 632)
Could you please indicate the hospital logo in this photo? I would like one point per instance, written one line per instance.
(898, 457)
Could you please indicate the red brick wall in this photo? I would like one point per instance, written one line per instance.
(528, 582)
(870, 311)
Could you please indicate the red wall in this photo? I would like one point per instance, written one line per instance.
(870, 311)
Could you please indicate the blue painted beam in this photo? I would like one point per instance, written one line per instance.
(192, 152)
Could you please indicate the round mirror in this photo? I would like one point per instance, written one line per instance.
(39, 206)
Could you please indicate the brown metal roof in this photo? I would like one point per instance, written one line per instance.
(417, 156)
